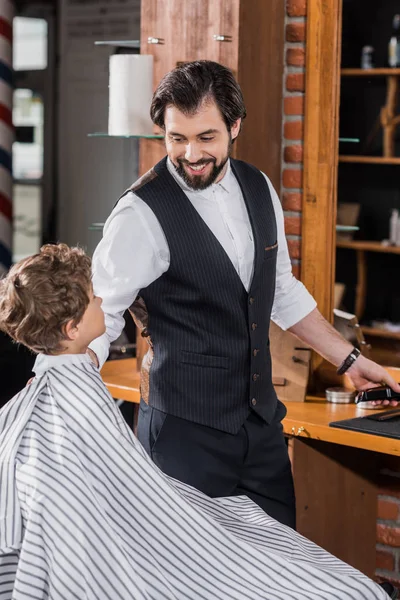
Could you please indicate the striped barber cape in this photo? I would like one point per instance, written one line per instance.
(85, 514)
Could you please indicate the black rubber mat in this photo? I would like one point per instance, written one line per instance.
(390, 428)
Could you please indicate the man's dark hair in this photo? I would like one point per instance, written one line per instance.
(187, 86)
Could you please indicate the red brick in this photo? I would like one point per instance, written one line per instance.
(389, 536)
(385, 560)
(294, 248)
(295, 82)
(296, 57)
(292, 225)
(291, 201)
(296, 271)
(388, 510)
(293, 154)
(296, 32)
(292, 178)
(293, 130)
(296, 8)
(294, 105)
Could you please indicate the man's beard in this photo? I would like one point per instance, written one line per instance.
(199, 182)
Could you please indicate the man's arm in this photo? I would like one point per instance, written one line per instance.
(315, 331)
(132, 254)
(292, 300)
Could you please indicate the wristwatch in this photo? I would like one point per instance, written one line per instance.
(348, 361)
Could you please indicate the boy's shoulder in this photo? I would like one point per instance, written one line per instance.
(18, 407)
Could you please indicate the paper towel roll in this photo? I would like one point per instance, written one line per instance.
(130, 94)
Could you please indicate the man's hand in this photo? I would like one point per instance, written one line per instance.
(93, 357)
(315, 331)
(365, 374)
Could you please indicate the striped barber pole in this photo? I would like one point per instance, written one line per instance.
(6, 133)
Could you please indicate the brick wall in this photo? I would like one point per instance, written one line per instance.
(388, 524)
(293, 111)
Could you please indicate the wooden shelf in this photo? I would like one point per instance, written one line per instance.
(371, 160)
(369, 72)
(382, 333)
(367, 246)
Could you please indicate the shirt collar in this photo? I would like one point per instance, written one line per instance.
(224, 185)
(44, 362)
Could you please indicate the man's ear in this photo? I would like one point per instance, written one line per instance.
(71, 330)
(235, 129)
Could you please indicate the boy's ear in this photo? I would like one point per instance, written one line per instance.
(71, 330)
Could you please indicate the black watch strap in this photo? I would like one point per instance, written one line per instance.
(348, 361)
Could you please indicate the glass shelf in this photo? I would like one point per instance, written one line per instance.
(96, 227)
(150, 136)
(347, 228)
(350, 140)
(119, 43)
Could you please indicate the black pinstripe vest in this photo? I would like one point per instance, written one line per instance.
(209, 359)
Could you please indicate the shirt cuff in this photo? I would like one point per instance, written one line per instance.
(101, 348)
(287, 316)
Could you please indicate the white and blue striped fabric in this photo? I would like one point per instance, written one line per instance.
(85, 514)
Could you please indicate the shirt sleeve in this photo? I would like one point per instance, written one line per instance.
(131, 255)
(292, 300)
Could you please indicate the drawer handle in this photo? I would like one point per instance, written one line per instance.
(222, 38)
(155, 40)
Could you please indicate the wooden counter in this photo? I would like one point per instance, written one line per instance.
(122, 379)
(316, 416)
(123, 382)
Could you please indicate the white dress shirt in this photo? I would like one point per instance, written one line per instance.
(134, 252)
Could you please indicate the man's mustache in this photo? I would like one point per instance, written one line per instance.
(183, 161)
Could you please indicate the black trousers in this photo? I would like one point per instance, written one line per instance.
(254, 462)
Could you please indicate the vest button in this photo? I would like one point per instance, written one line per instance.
(256, 351)
(253, 401)
(255, 376)
(251, 299)
(254, 326)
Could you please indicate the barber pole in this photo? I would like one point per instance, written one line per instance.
(6, 133)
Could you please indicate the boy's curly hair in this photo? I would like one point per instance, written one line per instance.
(42, 293)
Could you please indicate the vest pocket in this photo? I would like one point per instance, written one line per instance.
(270, 251)
(204, 360)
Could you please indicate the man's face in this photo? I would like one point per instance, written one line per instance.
(199, 145)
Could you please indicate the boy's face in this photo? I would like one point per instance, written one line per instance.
(92, 324)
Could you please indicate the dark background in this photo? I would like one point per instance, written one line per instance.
(375, 187)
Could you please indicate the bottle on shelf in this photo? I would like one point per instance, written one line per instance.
(367, 61)
(394, 227)
(394, 43)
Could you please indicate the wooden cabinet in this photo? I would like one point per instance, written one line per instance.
(253, 48)
(189, 30)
